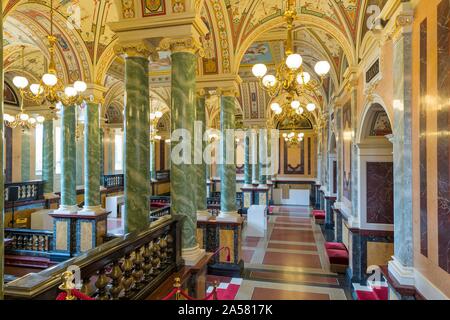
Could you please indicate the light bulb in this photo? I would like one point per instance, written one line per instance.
(49, 79)
(322, 68)
(24, 116)
(269, 81)
(295, 104)
(157, 137)
(158, 114)
(303, 78)
(152, 116)
(299, 110)
(294, 61)
(259, 70)
(167, 140)
(36, 89)
(40, 119)
(20, 82)
(284, 135)
(275, 106)
(80, 86)
(32, 120)
(310, 107)
(6, 117)
(70, 92)
(302, 134)
(278, 111)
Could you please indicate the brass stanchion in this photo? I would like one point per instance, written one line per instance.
(67, 285)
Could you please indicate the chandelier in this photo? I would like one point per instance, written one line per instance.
(292, 138)
(154, 119)
(290, 77)
(22, 119)
(50, 89)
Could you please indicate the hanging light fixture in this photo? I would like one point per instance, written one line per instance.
(293, 138)
(50, 89)
(290, 77)
(22, 119)
(154, 119)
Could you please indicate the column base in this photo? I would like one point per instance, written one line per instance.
(247, 186)
(404, 275)
(64, 209)
(92, 210)
(203, 215)
(263, 186)
(255, 182)
(50, 195)
(231, 216)
(192, 256)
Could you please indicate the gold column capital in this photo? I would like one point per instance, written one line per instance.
(201, 92)
(228, 92)
(187, 44)
(133, 49)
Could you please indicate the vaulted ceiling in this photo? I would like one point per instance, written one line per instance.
(241, 32)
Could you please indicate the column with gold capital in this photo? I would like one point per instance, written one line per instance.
(47, 155)
(228, 211)
(200, 164)
(137, 135)
(183, 115)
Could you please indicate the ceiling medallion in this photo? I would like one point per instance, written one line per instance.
(50, 89)
(290, 77)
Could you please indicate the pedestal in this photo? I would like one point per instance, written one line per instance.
(261, 195)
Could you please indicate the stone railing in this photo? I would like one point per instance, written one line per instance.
(29, 242)
(159, 213)
(113, 180)
(26, 191)
(129, 267)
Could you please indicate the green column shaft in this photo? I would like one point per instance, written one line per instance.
(153, 160)
(137, 144)
(200, 169)
(255, 161)
(262, 156)
(47, 156)
(25, 155)
(269, 155)
(247, 165)
(91, 155)
(228, 171)
(182, 172)
(80, 159)
(102, 154)
(68, 157)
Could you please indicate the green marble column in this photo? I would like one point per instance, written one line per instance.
(228, 166)
(68, 160)
(269, 157)
(262, 157)
(200, 165)
(110, 140)
(2, 215)
(255, 158)
(153, 160)
(80, 157)
(247, 165)
(92, 152)
(137, 144)
(102, 154)
(183, 112)
(25, 155)
(47, 156)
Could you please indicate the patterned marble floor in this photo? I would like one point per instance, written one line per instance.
(289, 262)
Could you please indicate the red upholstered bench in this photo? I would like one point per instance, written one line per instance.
(338, 256)
(319, 216)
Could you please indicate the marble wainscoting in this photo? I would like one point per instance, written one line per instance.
(380, 195)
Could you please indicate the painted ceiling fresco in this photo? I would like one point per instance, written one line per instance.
(85, 40)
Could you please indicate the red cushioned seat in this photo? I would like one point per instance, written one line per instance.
(335, 246)
(366, 295)
(337, 256)
(318, 211)
(319, 215)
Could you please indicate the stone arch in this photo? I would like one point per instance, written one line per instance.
(307, 20)
(372, 109)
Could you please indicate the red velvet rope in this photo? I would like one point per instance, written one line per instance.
(77, 294)
(177, 290)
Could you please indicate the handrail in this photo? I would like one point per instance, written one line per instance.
(29, 240)
(26, 190)
(127, 267)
